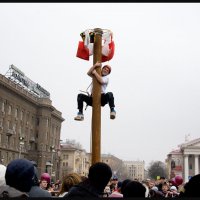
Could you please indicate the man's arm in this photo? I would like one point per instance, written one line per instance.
(90, 72)
(98, 77)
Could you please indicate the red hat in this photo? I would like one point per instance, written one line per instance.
(46, 177)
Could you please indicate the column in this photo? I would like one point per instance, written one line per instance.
(196, 164)
(186, 169)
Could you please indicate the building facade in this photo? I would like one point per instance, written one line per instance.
(184, 161)
(136, 169)
(29, 126)
(74, 159)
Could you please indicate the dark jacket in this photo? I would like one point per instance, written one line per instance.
(7, 191)
(36, 191)
(84, 189)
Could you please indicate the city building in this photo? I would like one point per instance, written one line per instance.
(74, 159)
(30, 125)
(116, 164)
(136, 169)
(184, 160)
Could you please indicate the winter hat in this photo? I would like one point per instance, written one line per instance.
(2, 175)
(45, 176)
(19, 174)
(99, 175)
(173, 188)
(156, 188)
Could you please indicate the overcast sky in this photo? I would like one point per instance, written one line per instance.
(155, 69)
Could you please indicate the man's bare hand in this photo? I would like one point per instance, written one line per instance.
(94, 71)
(98, 64)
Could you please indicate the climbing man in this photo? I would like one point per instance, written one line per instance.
(105, 97)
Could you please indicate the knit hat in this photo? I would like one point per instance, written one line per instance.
(99, 175)
(45, 176)
(19, 174)
(173, 188)
(2, 175)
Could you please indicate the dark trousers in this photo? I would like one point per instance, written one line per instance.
(105, 98)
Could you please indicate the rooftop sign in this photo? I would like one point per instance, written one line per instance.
(18, 76)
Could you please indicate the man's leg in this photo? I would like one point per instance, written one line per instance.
(109, 98)
(80, 99)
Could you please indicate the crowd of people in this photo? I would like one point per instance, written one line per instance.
(20, 179)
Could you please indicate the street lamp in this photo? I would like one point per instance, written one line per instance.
(21, 143)
(52, 152)
(2, 160)
(48, 164)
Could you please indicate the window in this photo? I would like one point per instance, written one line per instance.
(9, 109)
(22, 115)
(3, 107)
(47, 122)
(190, 166)
(8, 124)
(38, 121)
(14, 128)
(16, 113)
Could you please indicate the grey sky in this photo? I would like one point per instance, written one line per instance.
(155, 69)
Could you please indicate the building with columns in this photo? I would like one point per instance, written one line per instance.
(185, 160)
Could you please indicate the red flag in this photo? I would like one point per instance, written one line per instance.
(82, 51)
(110, 54)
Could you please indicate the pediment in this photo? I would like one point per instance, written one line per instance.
(191, 144)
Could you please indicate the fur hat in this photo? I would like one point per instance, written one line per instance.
(19, 174)
(2, 175)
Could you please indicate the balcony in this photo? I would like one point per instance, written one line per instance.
(32, 139)
(9, 132)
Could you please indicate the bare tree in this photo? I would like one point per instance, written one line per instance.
(157, 168)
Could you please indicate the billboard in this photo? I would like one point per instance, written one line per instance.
(18, 76)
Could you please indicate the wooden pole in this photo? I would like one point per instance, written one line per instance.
(96, 94)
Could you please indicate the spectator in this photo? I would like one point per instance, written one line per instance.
(134, 189)
(165, 190)
(19, 179)
(68, 181)
(124, 183)
(117, 193)
(191, 188)
(98, 177)
(107, 191)
(45, 181)
(36, 191)
(161, 181)
(174, 192)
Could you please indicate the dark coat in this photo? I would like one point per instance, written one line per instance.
(7, 191)
(84, 189)
(36, 191)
